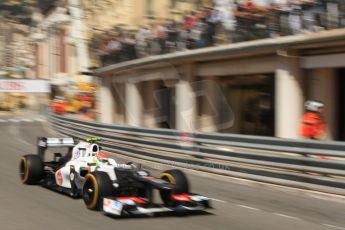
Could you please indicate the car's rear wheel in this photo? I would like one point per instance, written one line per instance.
(97, 185)
(31, 169)
(180, 181)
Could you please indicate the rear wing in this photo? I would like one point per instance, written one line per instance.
(47, 142)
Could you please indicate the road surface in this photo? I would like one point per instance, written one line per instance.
(237, 205)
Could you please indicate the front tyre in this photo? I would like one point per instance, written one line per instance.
(31, 169)
(179, 179)
(97, 185)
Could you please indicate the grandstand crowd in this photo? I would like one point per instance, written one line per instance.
(224, 22)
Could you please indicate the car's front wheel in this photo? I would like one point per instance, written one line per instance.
(97, 185)
(179, 180)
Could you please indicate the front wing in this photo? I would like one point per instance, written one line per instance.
(183, 203)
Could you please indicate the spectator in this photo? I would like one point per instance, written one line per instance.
(128, 43)
(274, 20)
(190, 20)
(160, 34)
(183, 37)
(225, 22)
(309, 16)
(198, 32)
(102, 51)
(212, 19)
(109, 50)
(172, 35)
(114, 48)
(295, 20)
(142, 37)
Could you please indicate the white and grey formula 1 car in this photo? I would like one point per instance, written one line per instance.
(117, 189)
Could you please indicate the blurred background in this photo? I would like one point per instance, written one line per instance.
(201, 85)
(59, 53)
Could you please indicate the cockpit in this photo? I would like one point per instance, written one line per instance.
(84, 149)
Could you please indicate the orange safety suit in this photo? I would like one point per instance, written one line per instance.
(312, 126)
(58, 107)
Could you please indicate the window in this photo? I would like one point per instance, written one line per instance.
(149, 7)
(173, 4)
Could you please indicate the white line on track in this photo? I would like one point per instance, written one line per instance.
(39, 119)
(26, 120)
(218, 200)
(15, 133)
(13, 120)
(1, 121)
(286, 216)
(248, 207)
(24, 142)
(333, 226)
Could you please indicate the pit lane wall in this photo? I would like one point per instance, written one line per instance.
(310, 165)
(256, 87)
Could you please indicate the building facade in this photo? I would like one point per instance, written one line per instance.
(57, 46)
(256, 87)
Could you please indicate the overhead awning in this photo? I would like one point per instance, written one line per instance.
(324, 61)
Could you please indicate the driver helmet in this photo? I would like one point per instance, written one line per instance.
(94, 149)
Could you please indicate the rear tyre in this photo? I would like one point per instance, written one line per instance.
(179, 179)
(97, 185)
(31, 169)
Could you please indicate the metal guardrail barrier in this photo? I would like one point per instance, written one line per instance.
(284, 162)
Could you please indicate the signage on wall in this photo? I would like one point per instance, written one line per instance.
(24, 86)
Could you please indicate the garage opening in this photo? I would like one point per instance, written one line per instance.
(252, 101)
